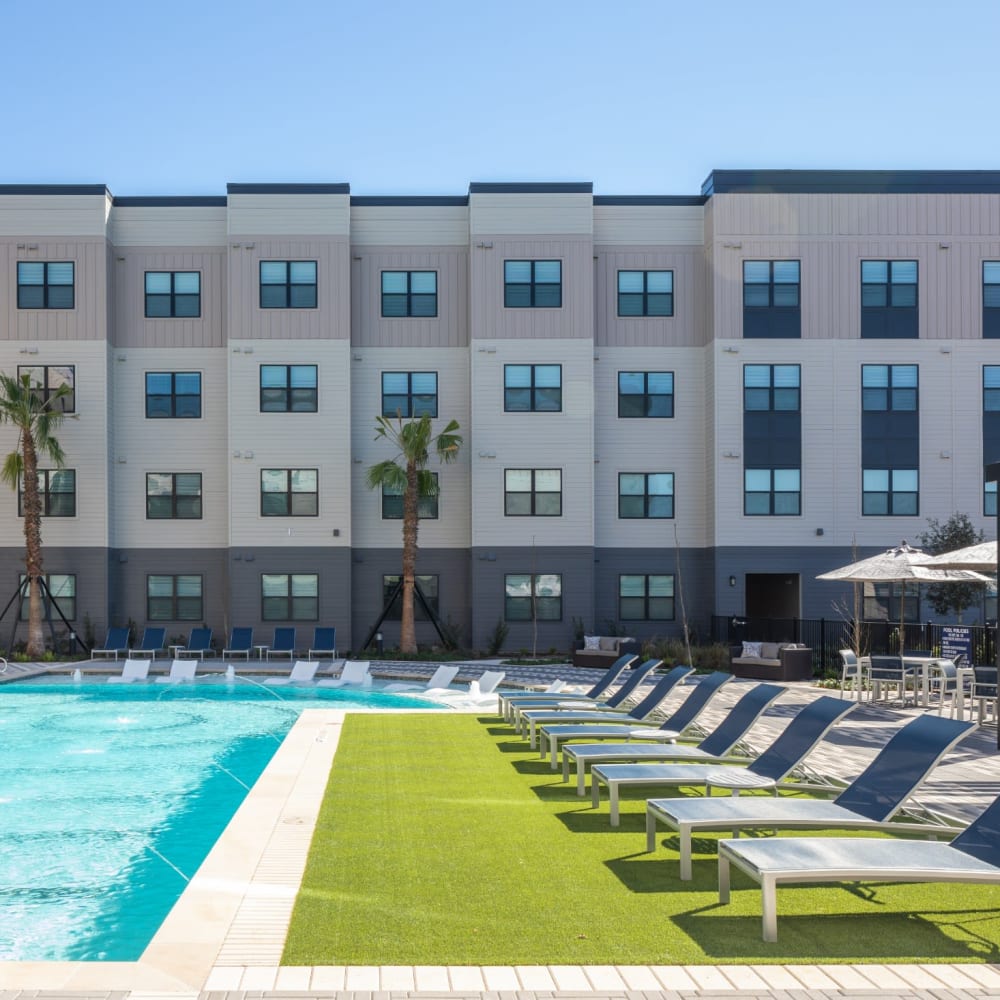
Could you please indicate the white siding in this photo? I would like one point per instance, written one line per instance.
(410, 225)
(168, 226)
(53, 215)
(530, 214)
(279, 214)
(651, 225)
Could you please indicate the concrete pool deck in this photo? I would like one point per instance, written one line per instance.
(225, 936)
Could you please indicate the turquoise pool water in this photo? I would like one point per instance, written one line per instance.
(112, 795)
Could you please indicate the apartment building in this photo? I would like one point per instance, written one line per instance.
(713, 395)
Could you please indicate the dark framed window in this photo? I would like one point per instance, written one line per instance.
(392, 504)
(991, 299)
(45, 284)
(889, 388)
(174, 598)
(409, 394)
(645, 494)
(991, 432)
(289, 492)
(771, 294)
(772, 492)
(645, 394)
(46, 380)
(889, 299)
(61, 586)
(890, 492)
(289, 597)
(288, 389)
(882, 600)
(646, 597)
(990, 499)
(173, 395)
(532, 388)
(532, 284)
(288, 284)
(428, 587)
(645, 293)
(56, 491)
(544, 590)
(173, 294)
(772, 388)
(532, 493)
(409, 293)
(173, 496)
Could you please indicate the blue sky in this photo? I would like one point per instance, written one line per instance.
(421, 98)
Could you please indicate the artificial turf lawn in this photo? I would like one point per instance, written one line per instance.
(443, 840)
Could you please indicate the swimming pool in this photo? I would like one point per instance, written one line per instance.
(113, 795)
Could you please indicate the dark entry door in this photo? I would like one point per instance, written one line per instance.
(772, 595)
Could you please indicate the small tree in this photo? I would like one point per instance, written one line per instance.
(407, 474)
(36, 420)
(955, 533)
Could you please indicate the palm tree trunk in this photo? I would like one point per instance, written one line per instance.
(407, 632)
(32, 545)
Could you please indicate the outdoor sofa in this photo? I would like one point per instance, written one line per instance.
(771, 661)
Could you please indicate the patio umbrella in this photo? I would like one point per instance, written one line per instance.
(981, 557)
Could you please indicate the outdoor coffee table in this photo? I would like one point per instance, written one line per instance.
(736, 779)
(660, 735)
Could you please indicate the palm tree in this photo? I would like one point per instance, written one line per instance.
(406, 473)
(36, 419)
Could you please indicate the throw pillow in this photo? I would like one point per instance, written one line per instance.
(609, 643)
(591, 642)
(769, 650)
(751, 649)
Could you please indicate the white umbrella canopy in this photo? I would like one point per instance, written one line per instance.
(981, 557)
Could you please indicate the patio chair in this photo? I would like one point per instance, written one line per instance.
(132, 671)
(152, 644)
(115, 642)
(984, 690)
(439, 681)
(324, 643)
(948, 682)
(199, 644)
(775, 764)
(354, 673)
(240, 643)
(871, 801)
(852, 671)
(973, 856)
(181, 672)
(718, 745)
(283, 644)
(303, 672)
(889, 672)
(675, 725)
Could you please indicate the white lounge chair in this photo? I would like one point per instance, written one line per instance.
(354, 673)
(304, 672)
(181, 672)
(438, 682)
(132, 671)
(479, 694)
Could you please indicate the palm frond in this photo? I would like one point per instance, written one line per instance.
(10, 473)
(386, 474)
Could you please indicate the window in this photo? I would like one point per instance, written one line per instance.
(991, 299)
(409, 394)
(645, 293)
(771, 388)
(392, 504)
(991, 432)
(543, 590)
(890, 492)
(889, 388)
(288, 389)
(882, 601)
(173, 395)
(532, 492)
(889, 298)
(645, 494)
(46, 380)
(289, 492)
(289, 597)
(772, 492)
(646, 597)
(645, 394)
(771, 298)
(409, 293)
(429, 588)
(173, 294)
(288, 284)
(990, 500)
(56, 491)
(532, 388)
(174, 599)
(63, 590)
(45, 285)
(173, 496)
(532, 284)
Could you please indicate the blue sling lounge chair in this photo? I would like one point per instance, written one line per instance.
(869, 802)
(116, 642)
(199, 644)
(240, 643)
(283, 644)
(153, 642)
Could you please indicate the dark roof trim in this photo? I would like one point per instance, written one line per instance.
(170, 201)
(852, 182)
(288, 188)
(585, 187)
(100, 189)
(649, 199)
(368, 200)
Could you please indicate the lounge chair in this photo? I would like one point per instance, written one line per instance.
(132, 671)
(116, 642)
(152, 644)
(479, 694)
(324, 643)
(439, 680)
(303, 672)
(973, 856)
(869, 802)
(199, 644)
(181, 671)
(779, 760)
(354, 673)
(283, 644)
(240, 643)
(720, 744)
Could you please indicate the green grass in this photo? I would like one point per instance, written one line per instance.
(443, 841)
